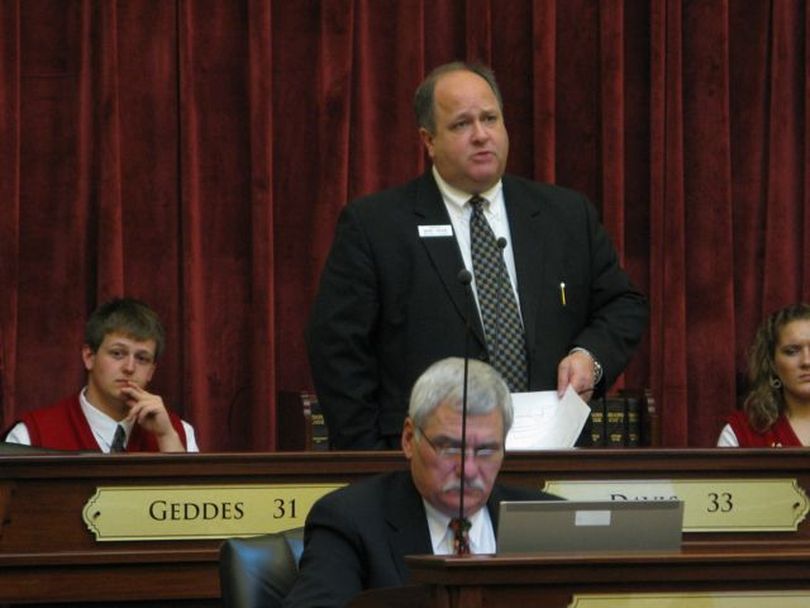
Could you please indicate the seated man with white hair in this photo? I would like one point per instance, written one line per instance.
(356, 538)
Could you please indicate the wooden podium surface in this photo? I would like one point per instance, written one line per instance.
(48, 555)
(555, 581)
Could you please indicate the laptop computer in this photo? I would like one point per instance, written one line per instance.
(589, 526)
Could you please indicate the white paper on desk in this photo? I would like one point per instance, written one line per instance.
(544, 422)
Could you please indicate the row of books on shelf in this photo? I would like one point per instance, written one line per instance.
(627, 419)
(623, 420)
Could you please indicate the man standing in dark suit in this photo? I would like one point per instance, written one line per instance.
(392, 299)
(356, 538)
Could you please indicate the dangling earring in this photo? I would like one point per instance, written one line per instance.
(775, 383)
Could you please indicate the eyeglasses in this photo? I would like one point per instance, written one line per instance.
(451, 450)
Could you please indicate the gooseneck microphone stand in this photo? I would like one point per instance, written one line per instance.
(461, 544)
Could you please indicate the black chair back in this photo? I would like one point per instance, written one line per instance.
(258, 571)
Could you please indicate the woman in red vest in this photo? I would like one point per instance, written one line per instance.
(776, 412)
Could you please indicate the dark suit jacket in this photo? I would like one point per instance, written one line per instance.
(390, 303)
(356, 538)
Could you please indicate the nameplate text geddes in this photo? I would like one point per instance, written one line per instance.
(138, 513)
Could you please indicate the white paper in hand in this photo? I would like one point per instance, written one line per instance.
(544, 422)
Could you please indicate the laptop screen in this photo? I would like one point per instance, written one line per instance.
(588, 526)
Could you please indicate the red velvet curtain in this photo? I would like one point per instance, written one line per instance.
(196, 154)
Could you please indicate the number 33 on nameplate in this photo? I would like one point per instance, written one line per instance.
(710, 505)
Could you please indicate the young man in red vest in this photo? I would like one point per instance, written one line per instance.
(114, 412)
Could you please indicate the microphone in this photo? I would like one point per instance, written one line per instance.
(461, 542)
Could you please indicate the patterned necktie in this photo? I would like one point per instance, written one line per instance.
(119, 438)
(499, 310)
(461, 535)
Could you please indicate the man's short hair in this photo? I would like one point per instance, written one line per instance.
(423, 100)
(126, 316)
(443, 382)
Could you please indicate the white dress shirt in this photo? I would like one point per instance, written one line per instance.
(460, 211)
(728, 438)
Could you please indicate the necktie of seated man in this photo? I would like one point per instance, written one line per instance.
(118, 441)
(499, 310)
(461, 535)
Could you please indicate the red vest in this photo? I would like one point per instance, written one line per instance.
(778, 436)
(62, 426)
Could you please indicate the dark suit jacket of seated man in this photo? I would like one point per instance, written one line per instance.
(390, 301)
(357, 538)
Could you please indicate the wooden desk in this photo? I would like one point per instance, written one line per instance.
(47, 553)
(553, 581)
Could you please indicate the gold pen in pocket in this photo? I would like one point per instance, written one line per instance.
(562, 294)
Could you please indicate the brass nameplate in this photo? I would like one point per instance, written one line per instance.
(720, 599)
(198, 512)
(710, 505)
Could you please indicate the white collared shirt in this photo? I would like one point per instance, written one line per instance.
(102, 426)
(456, 202)
(482, 534)
(728, 438)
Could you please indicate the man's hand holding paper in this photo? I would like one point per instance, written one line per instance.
(544, 421)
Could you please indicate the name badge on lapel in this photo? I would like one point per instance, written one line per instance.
(429, 232)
